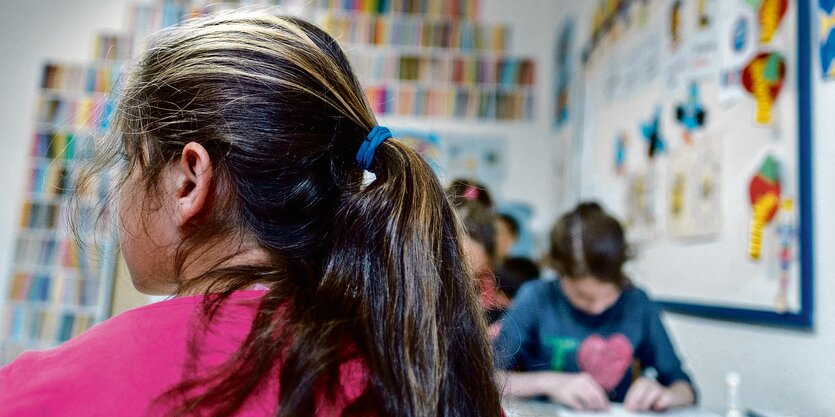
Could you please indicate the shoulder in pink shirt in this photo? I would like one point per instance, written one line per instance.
(120, 366)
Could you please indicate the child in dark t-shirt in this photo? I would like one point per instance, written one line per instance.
(589, 337)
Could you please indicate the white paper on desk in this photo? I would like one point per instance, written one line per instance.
(616, 410)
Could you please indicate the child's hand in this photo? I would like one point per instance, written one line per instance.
(577, 390)
(647, 394)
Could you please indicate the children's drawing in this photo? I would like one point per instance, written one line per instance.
(786, 232)
(675, 24)
(740, 35)
(703, 45)
(694, 192)
(691, 114)
(705, 18)
(476, 156)
(763, 78)
(826, 14)
(764, 195)
(562, 74)
(770, 16)
(650, 130)
(737, 45)
(641, 207)
(620, 153)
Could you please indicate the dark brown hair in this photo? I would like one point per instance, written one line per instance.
(589, 242)
(276, 105)
(474, 205)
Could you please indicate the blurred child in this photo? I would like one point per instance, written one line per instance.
(475, 208)
(241, 141)
(513, 273)
(576, 339)
(507, 233)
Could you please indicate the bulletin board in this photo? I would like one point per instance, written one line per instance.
(696, 133)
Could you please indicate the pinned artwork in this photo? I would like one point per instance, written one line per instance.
(826, 14)
(740, 34)
(786, 232)
(562, 74)
(641, 207)
(479, 157)
(675, 25)
(770, 16)
(678, 118)
(705, 18)
(620, 153)
(737, 45)
(652, 134)
(694, 192)
(764, 195)
(691, 114)
(763, 78)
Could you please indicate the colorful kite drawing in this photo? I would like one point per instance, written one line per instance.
(764, 194)
(763, 78)
(771, 15)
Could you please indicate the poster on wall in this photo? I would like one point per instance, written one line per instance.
(737, 45)
(677, 67)
(694, 207)
(479, 157)
(826, 39)
(642, 200)
(733, 210)
(426, 144)
(704, 45)
(563, 64)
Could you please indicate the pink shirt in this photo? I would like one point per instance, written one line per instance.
(120, 366)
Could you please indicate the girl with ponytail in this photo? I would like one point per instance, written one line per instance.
(299, 289)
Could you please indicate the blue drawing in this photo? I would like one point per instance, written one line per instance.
(620, 153)
(652, 134)
(827, 37)
(562, 76)
(740, 34)
(691, 114)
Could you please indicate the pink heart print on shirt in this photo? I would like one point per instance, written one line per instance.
(606, 360)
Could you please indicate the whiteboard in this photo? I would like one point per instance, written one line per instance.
(696, 134)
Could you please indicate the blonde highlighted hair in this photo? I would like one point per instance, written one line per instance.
(276, 105)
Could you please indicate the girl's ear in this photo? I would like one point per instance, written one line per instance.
(193, 173)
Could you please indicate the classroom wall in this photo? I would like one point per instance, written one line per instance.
(781, 369)
(33, 31)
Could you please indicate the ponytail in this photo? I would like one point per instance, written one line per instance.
(397, 269)
(371, 273)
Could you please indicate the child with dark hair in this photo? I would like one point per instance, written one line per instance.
(507, 233)
(474, 206)
(298, 289)
(513, 273)
(583, 339)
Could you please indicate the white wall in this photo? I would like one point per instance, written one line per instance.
(781, 369)
(788, 370)
(31, 32)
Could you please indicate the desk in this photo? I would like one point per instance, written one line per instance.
(527, 408)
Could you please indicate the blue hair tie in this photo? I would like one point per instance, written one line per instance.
(365, 156)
